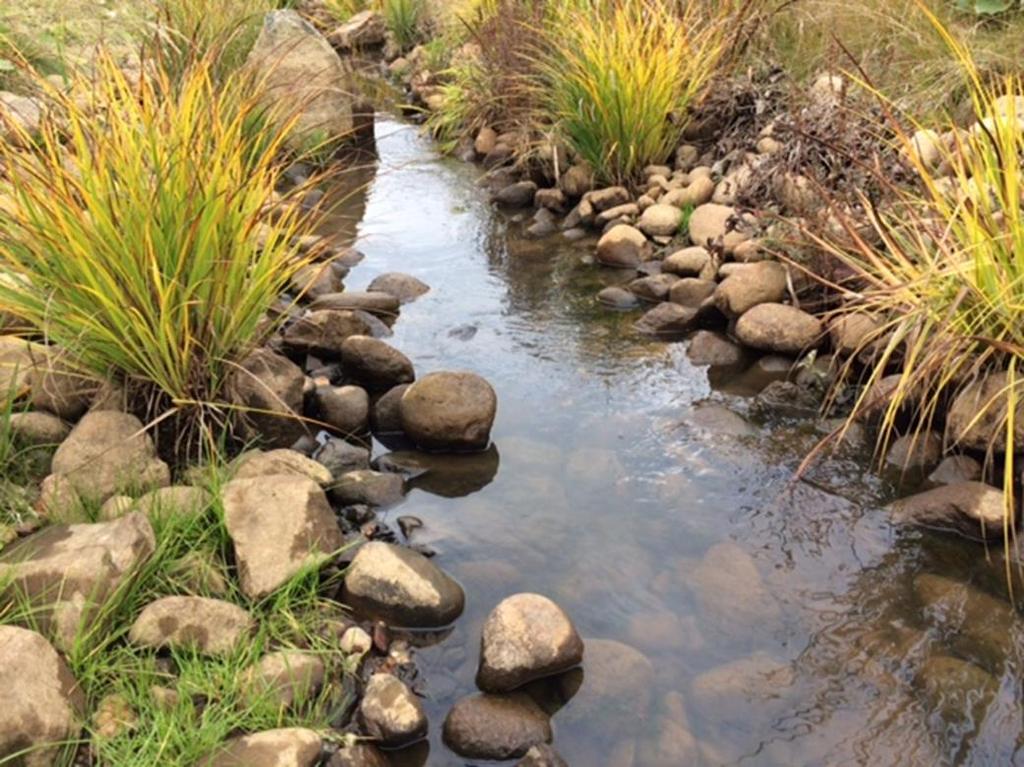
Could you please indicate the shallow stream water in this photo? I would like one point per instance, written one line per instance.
(746, 617)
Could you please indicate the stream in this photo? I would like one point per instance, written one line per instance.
(745, 617)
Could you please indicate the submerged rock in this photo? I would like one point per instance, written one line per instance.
(495, 727)
(449, 475)
(618, 298)
(957, 689)
(67, 572)
(614, 688)
(972, 509)
(43, 707)
(449, 411)
(730, 591)
(742, 690)
(981, 625)
(390, 713)
(209, 626)
(401, 587)
(279, 525)
(526, 637)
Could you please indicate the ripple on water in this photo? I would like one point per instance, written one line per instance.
(743, 615)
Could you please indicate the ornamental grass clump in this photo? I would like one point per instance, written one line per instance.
(619, 78)
(188, 28)
(137, 233)
(940, 273)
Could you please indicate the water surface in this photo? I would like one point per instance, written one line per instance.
(750, 618)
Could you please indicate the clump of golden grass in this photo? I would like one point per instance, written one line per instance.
(942, 267)
(619, 78)
(129, 234)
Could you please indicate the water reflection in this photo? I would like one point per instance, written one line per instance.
(736, 616)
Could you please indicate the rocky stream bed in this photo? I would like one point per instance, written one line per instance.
(626, 571)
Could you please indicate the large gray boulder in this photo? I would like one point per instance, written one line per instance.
(279, 525)
(107, 452)
(298, 69)
(451, 411)
(67, 572)
(43, 706)
(402, 587)
(526, 637)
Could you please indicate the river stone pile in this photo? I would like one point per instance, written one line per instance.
(314, 396)
(526, 637)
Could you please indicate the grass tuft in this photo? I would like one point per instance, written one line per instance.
(619, 80)
(942, 269)
(132, 242)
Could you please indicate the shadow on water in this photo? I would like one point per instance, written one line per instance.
(734, 616)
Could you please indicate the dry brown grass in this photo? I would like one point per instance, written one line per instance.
(892, 40)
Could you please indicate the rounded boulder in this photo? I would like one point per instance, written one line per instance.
(449, 412)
